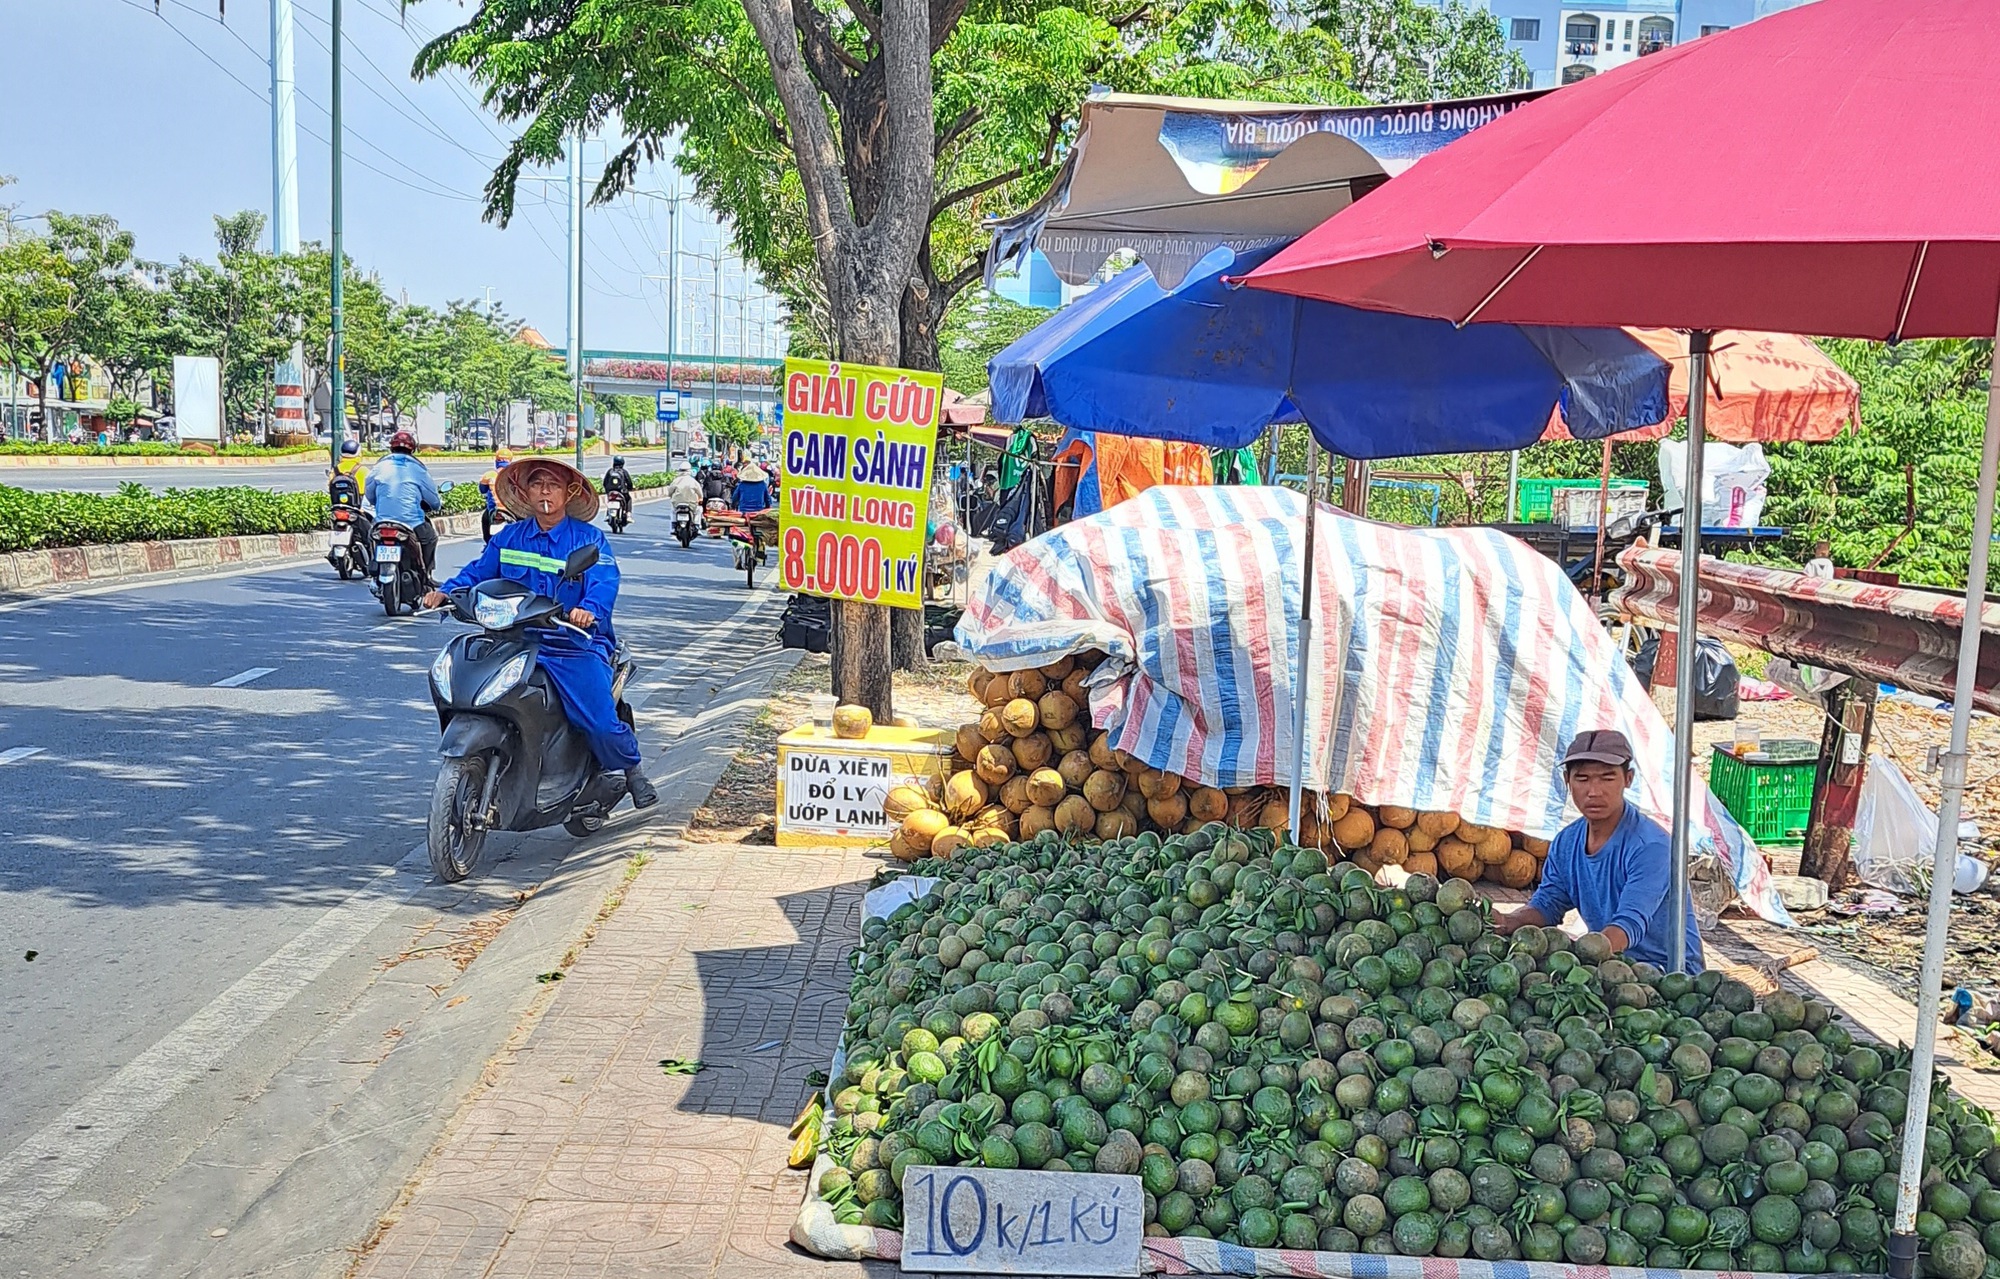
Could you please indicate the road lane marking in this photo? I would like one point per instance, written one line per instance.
(14, 754)
(240, 678)
(45, 1166)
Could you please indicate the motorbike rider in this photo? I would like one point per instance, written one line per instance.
(553, 506)
(619, 480)
(401, 489)
(501, 457)
(713, 485)
(686, 491)
(347, 485)
(753, 500)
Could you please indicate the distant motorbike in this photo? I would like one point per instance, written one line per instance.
(617, 511)
(685, 526)
(399, 567)
(512, 760)
(348, 546)
(747, 545)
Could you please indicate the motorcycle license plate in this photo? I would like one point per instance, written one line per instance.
(342, 536)
(388, 554)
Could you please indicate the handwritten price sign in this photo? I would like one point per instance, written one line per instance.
(856, 458)
(999, 1221)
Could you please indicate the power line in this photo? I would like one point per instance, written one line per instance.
(422, 119)
(403, 23)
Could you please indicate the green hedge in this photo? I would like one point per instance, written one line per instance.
(21, 448)
(31, 521)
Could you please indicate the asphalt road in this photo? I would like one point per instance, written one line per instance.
(285, 476)
(195, 777)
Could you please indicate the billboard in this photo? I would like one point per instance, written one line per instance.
(198, 397)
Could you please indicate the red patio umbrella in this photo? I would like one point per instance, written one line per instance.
(1834, 169)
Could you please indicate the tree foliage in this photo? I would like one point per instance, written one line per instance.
(727, 424)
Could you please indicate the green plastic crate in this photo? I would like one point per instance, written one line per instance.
(1535, 501)
(1771, 798)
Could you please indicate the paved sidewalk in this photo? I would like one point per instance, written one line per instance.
(581, 1157)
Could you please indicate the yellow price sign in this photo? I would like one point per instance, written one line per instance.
(856, 460)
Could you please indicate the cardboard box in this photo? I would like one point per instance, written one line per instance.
(830, 789)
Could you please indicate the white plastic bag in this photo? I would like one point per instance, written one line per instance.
(1894, 831)
(1733, 477)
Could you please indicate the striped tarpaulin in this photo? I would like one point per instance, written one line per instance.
(1451, 666)
(1891, 634)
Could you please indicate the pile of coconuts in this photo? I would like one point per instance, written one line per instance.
(1032, 762)
(1292, 1055)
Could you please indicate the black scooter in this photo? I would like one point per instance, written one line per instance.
(348, 547)
(617, 510)
(399, 567)
(512, 761)
(684, 525)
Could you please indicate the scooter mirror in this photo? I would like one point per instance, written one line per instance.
(580, 561)
(447, 486)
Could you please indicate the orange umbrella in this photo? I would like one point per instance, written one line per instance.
(1763, 387)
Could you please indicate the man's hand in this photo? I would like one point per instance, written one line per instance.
(435, 599)
(1514, 920)
(582, 618)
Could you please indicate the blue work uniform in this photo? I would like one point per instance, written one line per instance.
(753, 496)
(1623, 883)
(580, 669)
(401, 489)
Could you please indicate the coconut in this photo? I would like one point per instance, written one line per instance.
(997, 690)
(975, 683)
(995, 765)
(991, 728)
(1075, 768)
(1075, 737)
(1131, 765)
(1134, 803)
(1168, 812)
(1420, 840)
(1073, 687)
(1437, 825)
(852, 721)
(1354, 828)
(1104, 789)
(1365, 860)
(1116, 824)
(1456, 859)
(1020, 717)
(1275, 814)
(1389, 846)
(991, 815)
(1157, 784)
(1494, 847)
(1028, 684)
(1422, 864)
(1207, 804)
(1033, 751)
(1336, 808)
(1245, 810)
(1102, 753)
(969, 741)
(903, 800)
(1058, 711)
(949, 841)
(1472, 833)
(1310, 834)
(1046, 787)
(922, 826)
(1075, 814)
(1057, 671)
(1518, 871)
(965, 794)
(990, 837)
(1538, 847)
(899, 848)
(1014, 794)
(1037, 819)
(1399, 818)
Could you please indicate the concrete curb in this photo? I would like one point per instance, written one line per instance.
(33, 572)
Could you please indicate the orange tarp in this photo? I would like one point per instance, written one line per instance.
(1129, 465)
(1764, 387)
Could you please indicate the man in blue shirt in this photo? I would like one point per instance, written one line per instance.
(1613, 865)
(553, 506)
(400, 488)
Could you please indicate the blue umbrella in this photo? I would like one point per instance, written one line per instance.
(1213, 364)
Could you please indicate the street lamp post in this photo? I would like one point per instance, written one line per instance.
(337, 356)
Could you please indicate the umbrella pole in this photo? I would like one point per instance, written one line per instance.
(1303, 648)
(1513, 486)
(1944, 866)
(1603, 513)
(1685, 646)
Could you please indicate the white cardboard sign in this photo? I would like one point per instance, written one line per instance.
(839, 792)
(1003, 1221)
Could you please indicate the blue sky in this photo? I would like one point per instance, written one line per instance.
(111, 109)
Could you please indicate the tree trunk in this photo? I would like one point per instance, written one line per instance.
(1827, 856)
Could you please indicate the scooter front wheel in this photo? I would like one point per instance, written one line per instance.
(390, 589)
(451, 838)
(582, 827)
